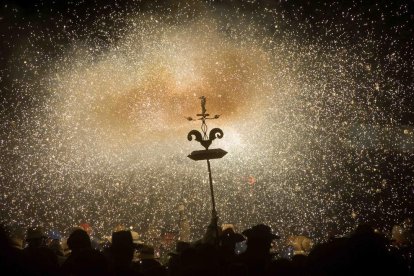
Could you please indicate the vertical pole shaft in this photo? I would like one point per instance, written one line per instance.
(211, 186)
(214, 212)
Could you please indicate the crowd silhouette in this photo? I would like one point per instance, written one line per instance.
(218, 252)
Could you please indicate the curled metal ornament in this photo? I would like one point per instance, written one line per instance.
(214, 133)
(196, 134)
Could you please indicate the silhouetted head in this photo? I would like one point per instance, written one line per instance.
(259, 239)
(35, 237)
(122, 240)
(122, 247)
(79, 240)
(260, 232)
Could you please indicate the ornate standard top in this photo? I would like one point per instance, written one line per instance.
(204, 139)
(207, 154)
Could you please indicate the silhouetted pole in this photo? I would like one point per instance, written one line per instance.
(207, 154)
(213, 202)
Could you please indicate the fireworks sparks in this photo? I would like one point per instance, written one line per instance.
(313, 108)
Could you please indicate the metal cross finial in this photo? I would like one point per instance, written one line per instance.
(203, 105)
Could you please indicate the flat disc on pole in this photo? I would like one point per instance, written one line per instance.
(207, 154)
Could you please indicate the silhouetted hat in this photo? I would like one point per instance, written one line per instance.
(122, 239)
(260, 231)
(35, 233)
